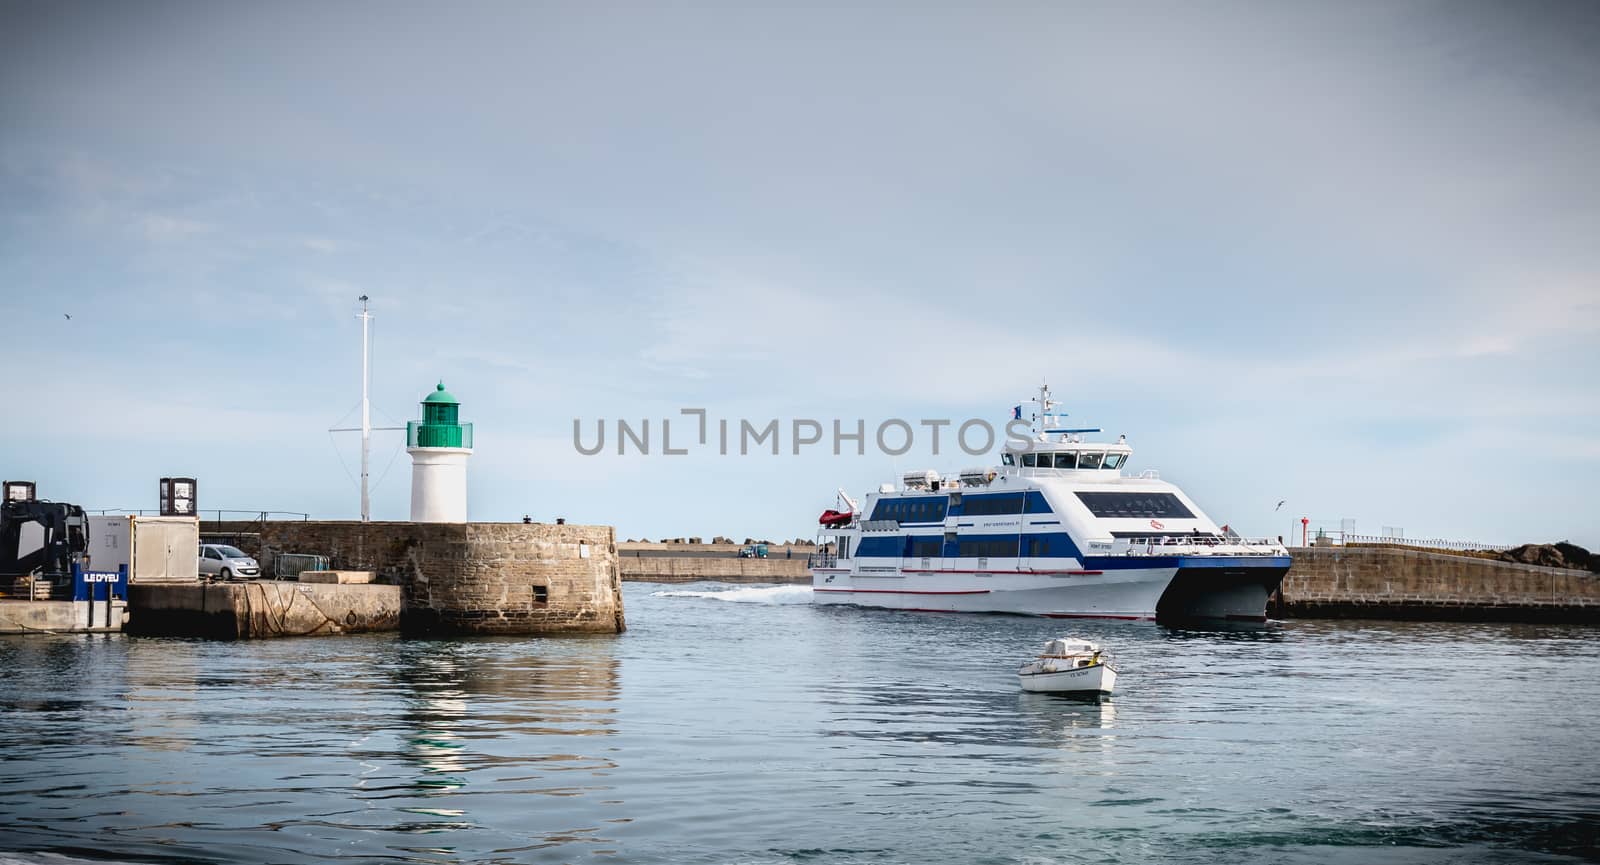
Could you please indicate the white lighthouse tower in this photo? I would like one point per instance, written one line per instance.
(439, 446)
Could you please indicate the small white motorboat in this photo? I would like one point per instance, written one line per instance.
(1069, 666)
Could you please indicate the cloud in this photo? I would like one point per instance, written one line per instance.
(1302, 217)
(161, 228)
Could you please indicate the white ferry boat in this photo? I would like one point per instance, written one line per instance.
(1060, 528)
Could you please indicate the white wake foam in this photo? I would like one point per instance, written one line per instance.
(797, 594)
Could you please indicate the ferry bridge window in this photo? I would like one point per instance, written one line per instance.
(1136, 505)
(1090, 460)
(1007, 460)
(1067, 460)
(1114, 461)
(1030, 460)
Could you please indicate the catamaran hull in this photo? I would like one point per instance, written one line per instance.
(1181, 589)
(1123, 594)
(1235, 594)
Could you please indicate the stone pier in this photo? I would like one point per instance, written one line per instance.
(1391, 582)
(261, 608)
(474, 578)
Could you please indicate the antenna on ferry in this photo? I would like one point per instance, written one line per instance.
(1042, 417)
(1049, 424)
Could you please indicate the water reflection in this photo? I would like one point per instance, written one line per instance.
(1269, 632)
(873, 738)
(482, 720)
(1068, 724)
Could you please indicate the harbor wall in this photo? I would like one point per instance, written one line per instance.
(691, 570)
(234, 611)
(1374, 582)
(647, 562)
(639, 561)
(1398, 583)
(58, 617)
(474, 578)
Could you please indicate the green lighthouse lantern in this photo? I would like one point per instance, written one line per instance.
(441, 425)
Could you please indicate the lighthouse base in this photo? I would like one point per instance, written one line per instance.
(439, 484)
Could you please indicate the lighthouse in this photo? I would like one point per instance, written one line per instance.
(439, 446)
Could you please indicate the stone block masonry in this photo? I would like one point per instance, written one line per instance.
(263, 608)
(475, 578)
(1398, 583)
(722, 569)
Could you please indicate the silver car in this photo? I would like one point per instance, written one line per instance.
(227, 563)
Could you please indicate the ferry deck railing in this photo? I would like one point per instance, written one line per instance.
(1166, 545)
(822, 560)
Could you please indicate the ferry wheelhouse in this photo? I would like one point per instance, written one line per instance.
(1060, 528)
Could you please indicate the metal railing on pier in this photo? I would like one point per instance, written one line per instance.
(289, 566)
(213, 514)
(1341, 539)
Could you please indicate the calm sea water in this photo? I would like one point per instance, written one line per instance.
(742, 725)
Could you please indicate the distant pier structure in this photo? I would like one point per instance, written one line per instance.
(439, 446)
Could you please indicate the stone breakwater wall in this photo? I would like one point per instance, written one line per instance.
(237, 611)
(1397, 583)
(474, 578)
(722, 569)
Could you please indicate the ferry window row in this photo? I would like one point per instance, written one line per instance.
(934, 546)
(1046, 545)
(1164, 506)
(992, 549)
(986, 506)
(1068, 460)
(919, 510)
(1003, 504)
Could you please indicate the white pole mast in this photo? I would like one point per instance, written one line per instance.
(366, 413)
(1045, 405)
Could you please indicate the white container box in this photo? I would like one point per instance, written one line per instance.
(154, 549)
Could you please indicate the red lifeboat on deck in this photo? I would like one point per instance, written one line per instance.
(833, 518)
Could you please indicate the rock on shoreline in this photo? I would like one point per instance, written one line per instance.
(1558, 555)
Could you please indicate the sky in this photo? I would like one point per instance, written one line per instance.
(1340, 255)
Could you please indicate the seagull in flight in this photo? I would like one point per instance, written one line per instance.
(68, 315)
(1280, 505)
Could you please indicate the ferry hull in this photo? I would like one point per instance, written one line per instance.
(1123, 594)
(1237, 594)
(1178, 590)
